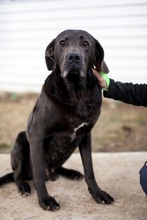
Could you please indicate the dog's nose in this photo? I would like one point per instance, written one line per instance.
(74, 57)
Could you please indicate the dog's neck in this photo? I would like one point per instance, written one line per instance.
(72, 95)
(76, 88)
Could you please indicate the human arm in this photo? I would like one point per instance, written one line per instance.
(135, 94)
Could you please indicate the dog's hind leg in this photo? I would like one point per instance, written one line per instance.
(20, 161)
(8, 178)
(69, 173)
(23, 187)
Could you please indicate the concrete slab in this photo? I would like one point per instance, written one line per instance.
(116, 173)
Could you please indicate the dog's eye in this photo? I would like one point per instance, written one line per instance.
(85, 43)
(62, 43)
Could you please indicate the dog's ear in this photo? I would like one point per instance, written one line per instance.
(49, 56)
(99, 59)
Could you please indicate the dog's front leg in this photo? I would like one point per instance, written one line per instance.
(85, 151)
(38, 165)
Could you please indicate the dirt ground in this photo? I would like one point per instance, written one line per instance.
(121, 127)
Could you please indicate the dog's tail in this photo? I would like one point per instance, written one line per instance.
(8, 178)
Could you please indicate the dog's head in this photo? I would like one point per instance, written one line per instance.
(74, 51)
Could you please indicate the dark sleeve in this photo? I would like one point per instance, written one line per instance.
(135, 94)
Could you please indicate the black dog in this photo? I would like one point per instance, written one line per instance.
(62, 119)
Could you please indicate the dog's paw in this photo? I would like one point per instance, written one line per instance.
(102, 197)
(69, 173)
(24, 189)
(75, 175)
(49, 204)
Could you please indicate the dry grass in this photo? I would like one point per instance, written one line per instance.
(120, 127)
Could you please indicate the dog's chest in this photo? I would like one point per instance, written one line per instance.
(67, 133)
(61, 145)
(76, 129)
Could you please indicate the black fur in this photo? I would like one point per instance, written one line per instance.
(66, 111)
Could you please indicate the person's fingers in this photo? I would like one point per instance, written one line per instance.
(98, 76)
(95, 72)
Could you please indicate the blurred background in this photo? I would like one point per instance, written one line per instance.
(28, 26)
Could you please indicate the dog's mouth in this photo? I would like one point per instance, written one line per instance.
(73, 74)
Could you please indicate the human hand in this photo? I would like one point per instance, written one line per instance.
(103, 79)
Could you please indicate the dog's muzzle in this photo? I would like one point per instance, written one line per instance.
(74, 66)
